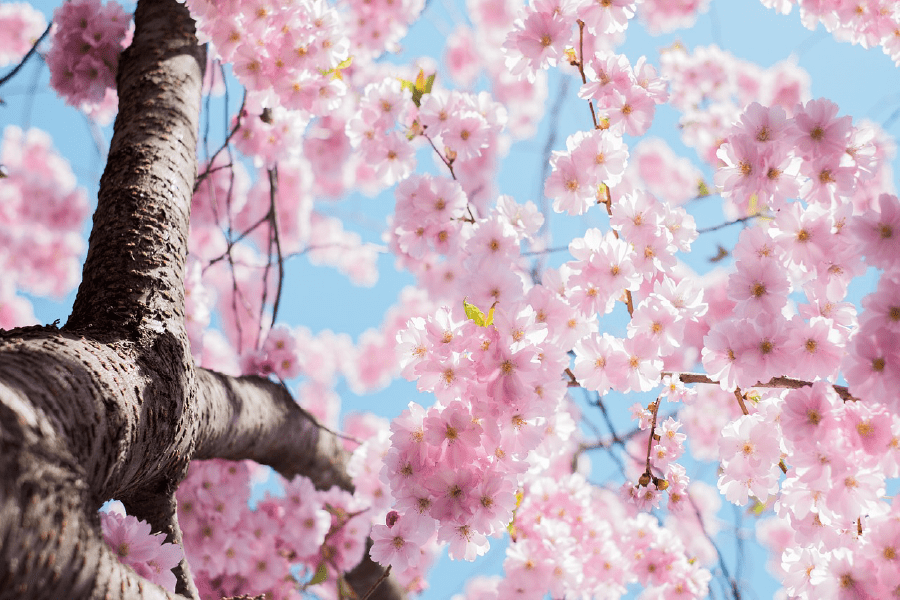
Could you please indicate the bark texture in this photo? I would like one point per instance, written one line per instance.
(111, 405)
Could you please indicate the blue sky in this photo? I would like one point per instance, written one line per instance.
(863, 82)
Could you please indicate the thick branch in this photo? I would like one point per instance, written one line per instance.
(251, 417)
(133, 275)
(254, 418)
(78, 424)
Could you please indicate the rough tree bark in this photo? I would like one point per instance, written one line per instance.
(111, 405)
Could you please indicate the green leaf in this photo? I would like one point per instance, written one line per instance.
(753, 207)
(336, 72)
(702, 189)
(757, 508)
(474, 314)
(421, 87)
(420, 80)
(490, 316)
(321, 574)
(511, 529)
(345, 63)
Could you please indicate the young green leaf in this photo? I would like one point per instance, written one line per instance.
(321, 574)
(490, 315)
(474, 314)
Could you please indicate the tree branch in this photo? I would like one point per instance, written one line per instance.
(134, 272)
(775, 382)
(254, 418)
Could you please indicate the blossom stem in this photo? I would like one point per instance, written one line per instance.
(443, 159)
(740, 399)
(654, 409)
(581, 69)
(629, 301)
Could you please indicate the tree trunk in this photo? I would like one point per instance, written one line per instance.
(111, 405)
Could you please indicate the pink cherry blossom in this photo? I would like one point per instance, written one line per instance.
(22, 25)
(85, 50)
(133, 544)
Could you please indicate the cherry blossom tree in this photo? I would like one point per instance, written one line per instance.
(168, 388)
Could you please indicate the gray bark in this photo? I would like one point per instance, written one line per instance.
(111, 405)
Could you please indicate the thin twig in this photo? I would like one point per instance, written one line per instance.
(615, 439)
(735, 590)
(581, 69)
(545, 251)
(727, 224)
(654, 410)
(607, 201)
(446, 161)
(573, 382)
(225, 144)
(740, 399)
(233, 242)
(377, 583)
(273, 216)
(775, 382)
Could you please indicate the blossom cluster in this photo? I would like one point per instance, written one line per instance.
(270, 135)
(474, 464)
(841, 531)
(454, 467)
(285, 50)
(626, 96)
(869, 24)
(816, 248)
(84, 52)
(710, 87)
(376, 27)
(663, 16)
(546, 30)
(41, 214)
(147, 553)
(471, 52)
(814, 155)
(759, 342)
(274, 548)
(580, 175)
(22, 25)
(571, 537)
